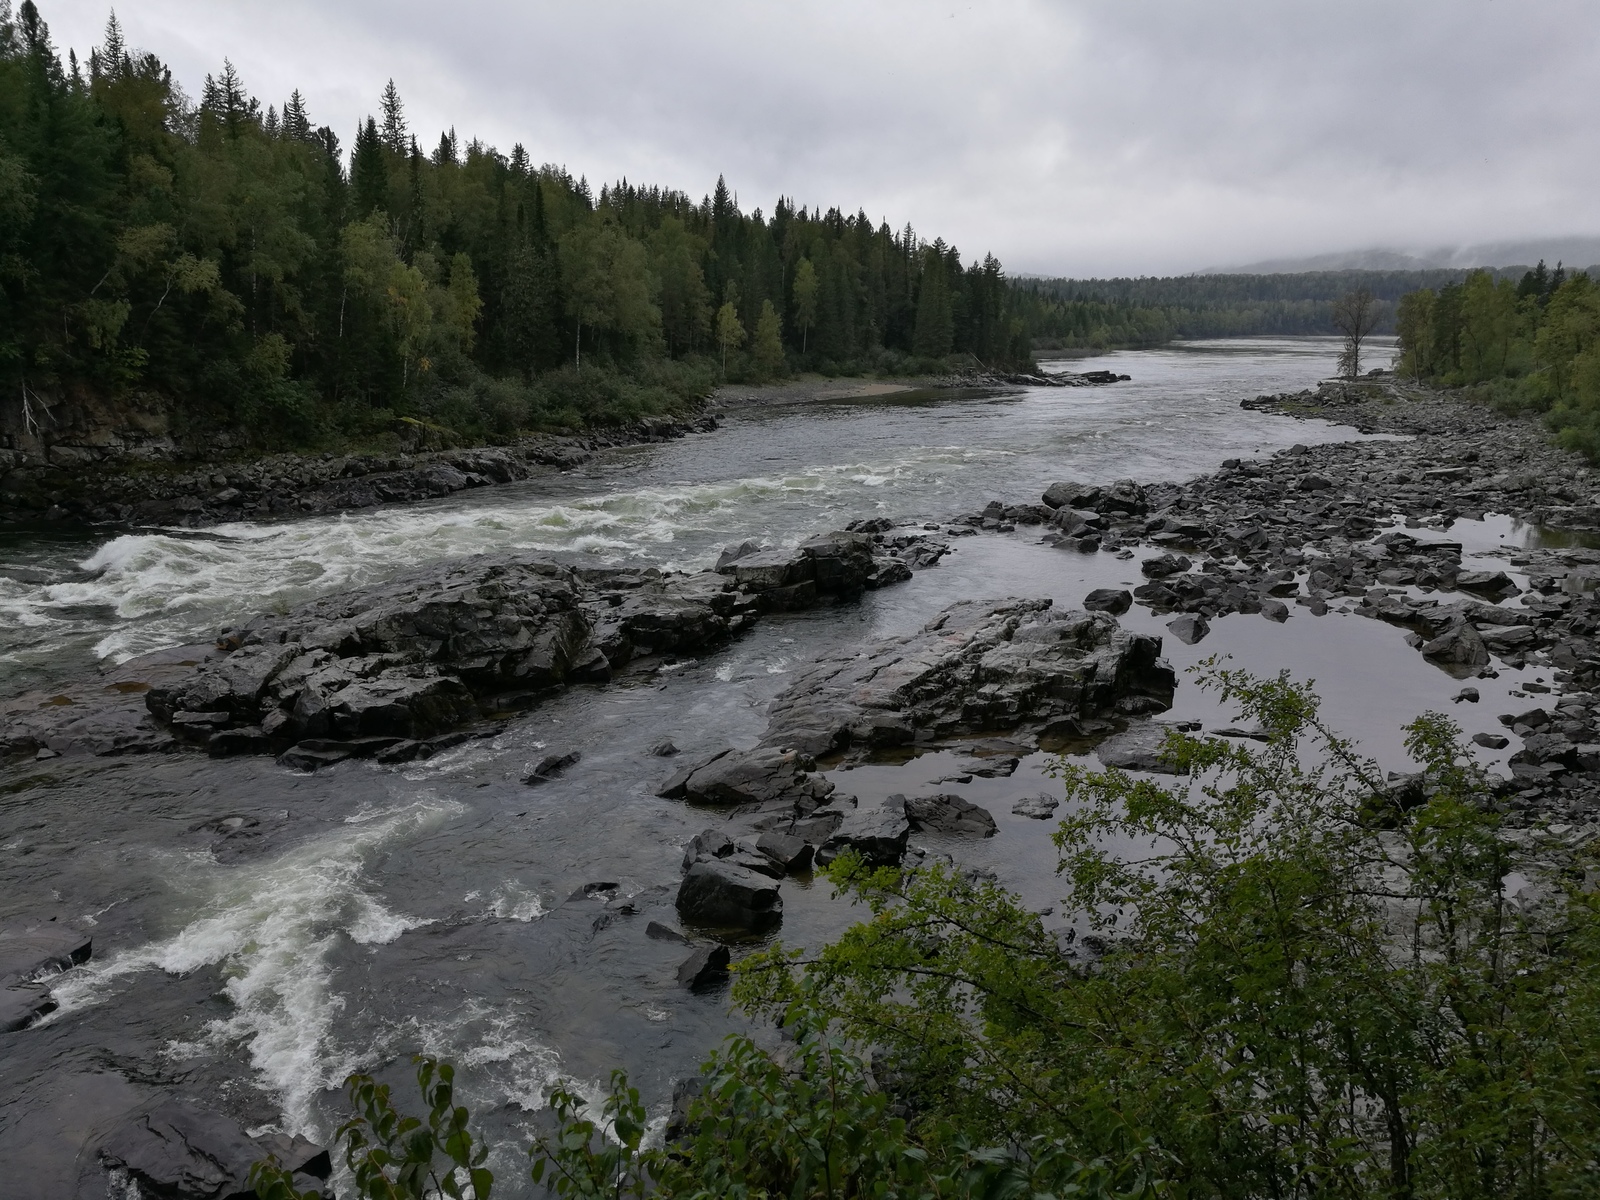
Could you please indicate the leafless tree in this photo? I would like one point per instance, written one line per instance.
(1355, 314)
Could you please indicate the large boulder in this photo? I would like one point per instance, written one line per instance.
(1139, 748)
(1459, 649)
(878, 834)
(1067, 494)
(1115, 601)
(949, 814)
(723, 896)
(832, 565)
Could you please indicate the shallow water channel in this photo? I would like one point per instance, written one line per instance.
(356, 916)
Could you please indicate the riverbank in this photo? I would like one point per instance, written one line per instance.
(62, 488)
(68, 483)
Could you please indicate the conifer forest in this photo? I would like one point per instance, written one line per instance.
(256, 268)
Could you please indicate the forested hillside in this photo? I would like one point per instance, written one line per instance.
(1532, 344)
(1148, 311)
(230, 258)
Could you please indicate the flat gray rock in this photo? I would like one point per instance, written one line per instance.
(1139, 748)
(1039, 808)
(977, 667)
(1189, 628)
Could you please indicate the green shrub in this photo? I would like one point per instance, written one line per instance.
(1306, 984)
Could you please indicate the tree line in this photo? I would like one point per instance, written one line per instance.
(1069, 314)
(1532, 344)
(236, 262)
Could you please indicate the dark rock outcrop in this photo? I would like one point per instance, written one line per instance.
(1139, 748)
(177, 1150)
(1115, 601)
(764, 775)
(878, 834)
(949, 814)
(719, 895)
(706, 968)
(978, 666)
(435, 649)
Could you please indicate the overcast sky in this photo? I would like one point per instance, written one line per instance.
(1120, 137)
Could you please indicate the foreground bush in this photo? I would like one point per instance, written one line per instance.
(1303, 983)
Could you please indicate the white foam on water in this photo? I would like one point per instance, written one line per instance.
(144, 591)
(515, 903)
(272, 928)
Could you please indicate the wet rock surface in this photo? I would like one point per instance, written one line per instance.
(978, 666)
(31, 952)
(1017, 665)
(396, 670)
(175, 1149)
(721, 895)
(1361, 528)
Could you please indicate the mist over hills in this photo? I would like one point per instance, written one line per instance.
(1575, 251)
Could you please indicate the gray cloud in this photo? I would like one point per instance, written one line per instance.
(1139, 136)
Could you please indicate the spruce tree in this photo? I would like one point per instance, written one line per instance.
(234, 106)
(394, 120)
(935, 324)
(113, 55)
(296, 124)
(369, 173)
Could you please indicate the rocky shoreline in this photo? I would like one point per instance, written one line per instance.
(72, 482)
(1324, 527)
(91, 477)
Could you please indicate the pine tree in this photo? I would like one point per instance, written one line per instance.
(393, 129)
(234, 106)
(446, 151)
(369, 173)
(272, 122)
(416, 217)
(112, 58)
(539, 225)
(529, 310)
(296, 124)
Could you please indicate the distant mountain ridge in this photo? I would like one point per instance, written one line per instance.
(1574, 251)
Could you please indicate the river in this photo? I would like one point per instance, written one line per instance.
(260, 933)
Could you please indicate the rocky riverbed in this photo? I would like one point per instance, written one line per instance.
(414, 670)
(399, 671)
(1364, 528)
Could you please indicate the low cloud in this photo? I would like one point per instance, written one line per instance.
(1077, 138)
